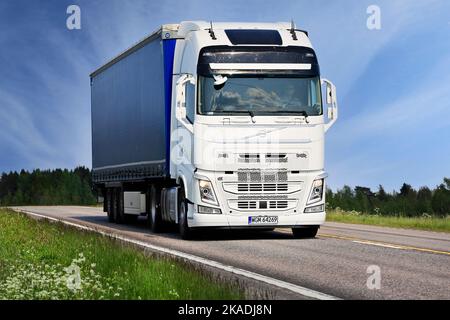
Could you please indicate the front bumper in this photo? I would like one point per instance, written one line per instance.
(241, 221)
(290, 215)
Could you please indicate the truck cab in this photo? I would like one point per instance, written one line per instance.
(251, 126)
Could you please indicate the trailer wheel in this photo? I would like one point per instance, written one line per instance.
(109, 205)
(155, 210)
(185, 231)
(305, 232)
(118, 205)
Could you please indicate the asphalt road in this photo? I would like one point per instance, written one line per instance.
(413, 264)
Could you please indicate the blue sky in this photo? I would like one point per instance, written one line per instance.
(393, 84)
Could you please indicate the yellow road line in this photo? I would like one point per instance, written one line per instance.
(377, 243)
(386, 244)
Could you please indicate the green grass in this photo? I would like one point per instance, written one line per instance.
(40, 260)
(420, 223)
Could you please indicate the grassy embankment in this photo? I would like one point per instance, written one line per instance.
(42, 260)
(420, 223)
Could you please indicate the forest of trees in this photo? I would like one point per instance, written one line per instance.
(47, 187)
(407, 202)
(74, 187)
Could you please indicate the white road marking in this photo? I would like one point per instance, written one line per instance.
(248, 274)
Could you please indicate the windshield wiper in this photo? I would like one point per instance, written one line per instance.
(252, 115)
(302, 112)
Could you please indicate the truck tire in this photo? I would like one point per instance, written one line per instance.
(185, 231)
(155, 218)
(305, 232)
(109, 205)
(118, 206)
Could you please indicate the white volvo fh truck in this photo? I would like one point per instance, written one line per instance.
(214, 125)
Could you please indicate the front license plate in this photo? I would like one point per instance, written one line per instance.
(263, 220)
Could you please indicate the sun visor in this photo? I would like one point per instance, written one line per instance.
(289, 61)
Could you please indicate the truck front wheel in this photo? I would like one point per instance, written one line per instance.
(305, 232)
(185, 231)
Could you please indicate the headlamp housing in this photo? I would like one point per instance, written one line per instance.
(207, 192)
(317, 189)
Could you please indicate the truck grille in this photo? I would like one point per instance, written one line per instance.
(249, 158)
(258, 176)
(274, 204)
(281, 204)
(258, 190)
(247, 204)
(277, 158)
(262, 187)
(273, 188)
(268, 158)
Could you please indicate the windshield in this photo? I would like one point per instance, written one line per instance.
(260, 95)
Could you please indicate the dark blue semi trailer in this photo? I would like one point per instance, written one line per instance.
(130, 109)
(131, 99)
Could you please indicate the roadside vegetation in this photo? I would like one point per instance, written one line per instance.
(43, 260)
(47, 187)
(408, 202)
(426, 209)
(420, 223)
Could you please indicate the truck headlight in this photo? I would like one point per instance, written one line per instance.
(316, 194)
(208, 210)
(207, 192)
(315, 209)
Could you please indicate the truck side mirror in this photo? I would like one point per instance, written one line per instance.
(331, 100)
(329, 93)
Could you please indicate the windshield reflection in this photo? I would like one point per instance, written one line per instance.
(260, 95)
